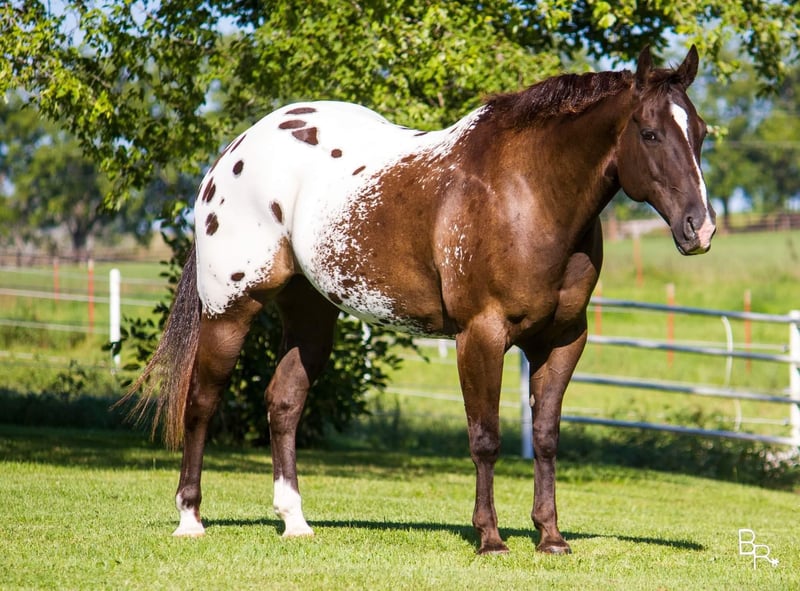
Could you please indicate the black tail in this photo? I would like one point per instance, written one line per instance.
(168, 375)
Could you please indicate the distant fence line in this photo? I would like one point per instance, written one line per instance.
(791, 359)
(27, 257)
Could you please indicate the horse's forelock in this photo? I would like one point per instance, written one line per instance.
(662, 80)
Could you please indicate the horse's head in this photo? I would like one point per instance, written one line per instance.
(659, 153)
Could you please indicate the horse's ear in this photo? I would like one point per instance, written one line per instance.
(643, 67)
(687, 71)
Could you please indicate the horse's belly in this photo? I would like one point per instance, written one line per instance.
(368, 280)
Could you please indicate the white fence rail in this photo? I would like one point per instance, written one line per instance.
(792, 360)
(788, 355)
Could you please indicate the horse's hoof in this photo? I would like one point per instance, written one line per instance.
(300, 533)
(189, 527)
(494, 548)
(555, 548)
(189, 533)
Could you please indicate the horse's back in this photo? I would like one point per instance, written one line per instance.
(284, 184)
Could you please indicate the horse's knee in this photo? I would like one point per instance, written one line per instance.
(284, 412)
(484, 444)
(545, 442)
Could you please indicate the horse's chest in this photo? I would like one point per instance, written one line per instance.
(578, 282)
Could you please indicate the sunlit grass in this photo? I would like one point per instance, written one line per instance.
(95, 510)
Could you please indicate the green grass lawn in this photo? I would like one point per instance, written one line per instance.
(94, 510)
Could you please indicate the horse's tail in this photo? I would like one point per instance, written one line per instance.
(168, 375)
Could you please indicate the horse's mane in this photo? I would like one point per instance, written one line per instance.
(568, 94)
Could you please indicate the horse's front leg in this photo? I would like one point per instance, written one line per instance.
(480, 366)
(551, 371)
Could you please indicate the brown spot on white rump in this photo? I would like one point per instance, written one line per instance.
(208, 193)
(301, 111)
(292, 124)
(308, 135)
(212, 224)
(277, 211)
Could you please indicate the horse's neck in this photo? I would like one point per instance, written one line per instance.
(580, 168)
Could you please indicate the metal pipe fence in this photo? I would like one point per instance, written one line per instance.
(789, 356)
(792, 360)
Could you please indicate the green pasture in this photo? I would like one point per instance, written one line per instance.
(94, 510)
(765, 264)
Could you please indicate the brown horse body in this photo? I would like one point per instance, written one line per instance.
(488, 233)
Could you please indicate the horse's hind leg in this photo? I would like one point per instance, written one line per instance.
(308, 323)
(221, 339)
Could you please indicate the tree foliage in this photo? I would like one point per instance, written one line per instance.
(756, 152)
(135, 80)
(50, 183)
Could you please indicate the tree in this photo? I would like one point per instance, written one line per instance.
(133, 79)
(51, 183)
(755, 149)
(777, 145)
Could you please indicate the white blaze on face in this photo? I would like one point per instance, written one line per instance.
(288, 507)
(706, 231)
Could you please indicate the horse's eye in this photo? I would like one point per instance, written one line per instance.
(649, 135)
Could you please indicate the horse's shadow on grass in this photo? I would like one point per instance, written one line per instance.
(466, 532)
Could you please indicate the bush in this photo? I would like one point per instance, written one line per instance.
(56, 410)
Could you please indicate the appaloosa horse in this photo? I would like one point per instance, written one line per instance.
(487, 232)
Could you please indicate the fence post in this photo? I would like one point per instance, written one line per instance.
(56, 287)
(90, 290)
(670, 322)
(525, 416)
(114, 310)
(794, 377)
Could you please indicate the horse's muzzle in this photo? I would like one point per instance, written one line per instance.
(693, 238)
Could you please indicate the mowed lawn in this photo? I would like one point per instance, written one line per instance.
(94, 510)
